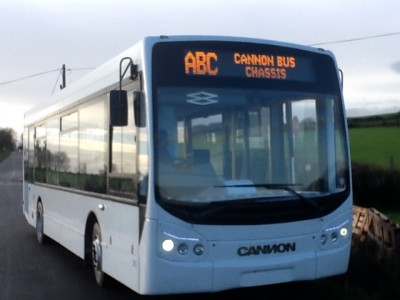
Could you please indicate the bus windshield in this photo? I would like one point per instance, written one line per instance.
(236, 141)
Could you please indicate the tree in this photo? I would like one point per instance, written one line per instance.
(7, 140)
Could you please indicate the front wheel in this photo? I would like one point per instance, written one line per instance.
(97, 255)
(40, 223)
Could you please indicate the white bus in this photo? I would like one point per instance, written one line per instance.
(196, 164)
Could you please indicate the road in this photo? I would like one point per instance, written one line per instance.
(32, 271)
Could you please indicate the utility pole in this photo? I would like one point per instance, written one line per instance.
(62, 86)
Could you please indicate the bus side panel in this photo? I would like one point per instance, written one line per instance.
(120, 231)
(65, 217)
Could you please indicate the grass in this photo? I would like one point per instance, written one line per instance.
(378, 146)
(375, 144)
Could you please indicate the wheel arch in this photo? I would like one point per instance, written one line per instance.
(39, 221)
(90, 221)
(39, 199)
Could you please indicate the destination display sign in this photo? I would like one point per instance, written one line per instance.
(269, 66)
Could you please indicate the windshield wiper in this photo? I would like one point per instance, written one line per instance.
(310, 201)
(280, 186)
(264, 185)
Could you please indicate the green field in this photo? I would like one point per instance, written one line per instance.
(375, 140)
(376, 145)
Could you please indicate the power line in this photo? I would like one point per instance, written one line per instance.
(80, 69)
(41, 73)
(27, 77)
(356, 39)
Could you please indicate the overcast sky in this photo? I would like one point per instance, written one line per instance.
(39, 36)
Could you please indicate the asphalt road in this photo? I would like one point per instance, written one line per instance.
(32, 271)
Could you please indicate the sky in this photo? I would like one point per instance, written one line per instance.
(38, 36)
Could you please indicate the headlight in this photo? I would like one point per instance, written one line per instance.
(323, 239)
(344, 232)
(185, 246)
(334, 234)
(168, 245)
(183, 249)
(198, 249)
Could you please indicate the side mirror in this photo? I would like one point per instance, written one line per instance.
(118, 108)
(139, 106)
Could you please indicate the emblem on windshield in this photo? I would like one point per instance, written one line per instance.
(202, 98)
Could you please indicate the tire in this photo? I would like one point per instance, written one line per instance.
(97, 255)
(40, 223)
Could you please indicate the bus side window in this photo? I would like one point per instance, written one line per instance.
(123, 160)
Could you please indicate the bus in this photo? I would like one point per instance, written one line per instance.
(191, 164)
